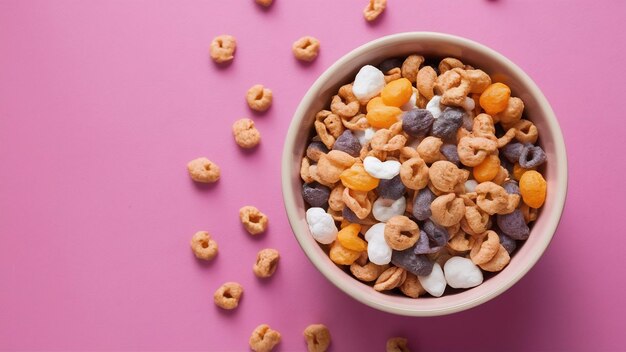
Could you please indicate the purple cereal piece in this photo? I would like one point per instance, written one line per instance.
(391, 63)
(507, 242)
(391, 189)
(423, 245)
(511, 187)
(448, 123)
(512, 151)
(348, 143)
(315, 149)
(315, 194)
(436, 234)
(513, 225)
(531, 156)
(417, 264)
(451, 153)
(417, 122)
(421, 204)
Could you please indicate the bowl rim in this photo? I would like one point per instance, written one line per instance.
(289, 192)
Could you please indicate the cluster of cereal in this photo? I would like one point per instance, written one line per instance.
(430, 172)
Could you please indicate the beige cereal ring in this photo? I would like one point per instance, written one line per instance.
(414, 173)
(373, 9)
(446, 81)
(485, 247)
(498, 262)
(411, 66)
(390, 279)
(401, 232)
(356, 123)
(253, 220)
(265, 3)
(358, 202)
(493, 199)
(266, 262)
(429, 149)
(526, 131)
(203, 245)
(335, 200)
(449, 63)
(479, 80)
(317, 338)
(397, 344)
(475, 221)
(447, 210)
(306, 48)
(462, 242)
(393, 74)
(305, 170)
(332, 164)
(367, 272)
(223, 48)
(203, 170)
(228, 295)
(246, 135)
(384, 140)
(473, 150)
(425, 82)
(345, 104)
(512, 113)
(264, 338)
(445, 176)
(411, 286)
(259, 98)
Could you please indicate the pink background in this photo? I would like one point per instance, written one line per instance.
(102, 103)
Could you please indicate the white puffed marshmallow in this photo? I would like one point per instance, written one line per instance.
(368, 82)
(381, 170)
(462, 273)
(469, 104)
(322, 225)
(435, 283)
(412, 103)
(434, 106)
(470, 186)
(378, 251)
(364, 136)
(384, 209)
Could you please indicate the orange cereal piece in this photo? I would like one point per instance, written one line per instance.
(375, 103)
(356, 178)
(342, 255)
(533, 188)
(488, 169)
(349, 238)
(397, 93)
(518, 171)
(495, 98)
(383, 116)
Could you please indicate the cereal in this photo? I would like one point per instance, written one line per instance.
(462, 273)
(306, 48)
(264, 338)
(223, 48)
(203, 170)
(423, 161)
(266, 262)
(253, 220)
(317, 337)
(401, 232)
(265, 3)
(203, 245)
(373, 9)
(397, 344)
(246, 135)
(228, 295)
(259, 98)
(435, 282)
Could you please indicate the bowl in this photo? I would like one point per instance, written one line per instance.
(427, 44)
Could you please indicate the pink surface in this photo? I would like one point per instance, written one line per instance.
(102, 103)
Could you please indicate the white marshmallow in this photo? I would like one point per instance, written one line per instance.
(412, 103)
(381, 170)
(470, 186)
(462, 273)
(368, 82)
(434, 106)
(364, 136)
(378, 251)
(469, 104)
(435, 283)
(384, 209)
(321, 225)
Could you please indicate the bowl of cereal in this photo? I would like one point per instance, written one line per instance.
(424, 174)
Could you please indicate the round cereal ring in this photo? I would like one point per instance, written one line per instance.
(246, 135)
(223, 48)
(203, 170)
(264, 339)
(498, 262)
(266, 262)
(259, 98)
(401, 232)
(253, 220)
(203, 246)
(228, 295)
(306, 48)
(317, 337)
(485, 247)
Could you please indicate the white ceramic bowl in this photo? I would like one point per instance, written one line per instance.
(428, 44)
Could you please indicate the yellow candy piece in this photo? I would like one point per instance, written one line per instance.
(533, 188)
(518, 171)
(488, 169)
(349, 238)
(383, 116)
(374, 103)
(495, 98)
(397, 93)
(356, 178)
(342, 255)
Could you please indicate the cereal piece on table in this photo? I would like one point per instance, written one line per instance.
(203, 246)
(373, 9)
(264, 338)
(203, 170)
(259, 98)
(397, 344)
(306, 48)
(317, 337)
(223, 48)
(266, 3)
(246, 135)
(253, 220)
(266, 262)
(228, 295)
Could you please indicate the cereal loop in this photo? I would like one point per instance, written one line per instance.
(498, 262)
(203, 246)
(223, 48)
(485, 247)
(264, 338)
(414, 173)
(373, 9)
(411, 66)
(266, 262)
(401, 232)
(447, 210)
(228, 295)
(390, 279)
(246, 135)
(397, 344)
(317, 338)
(259, 98)
(411, 286)
(203, 170)
(306, 48)
(253, 220)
